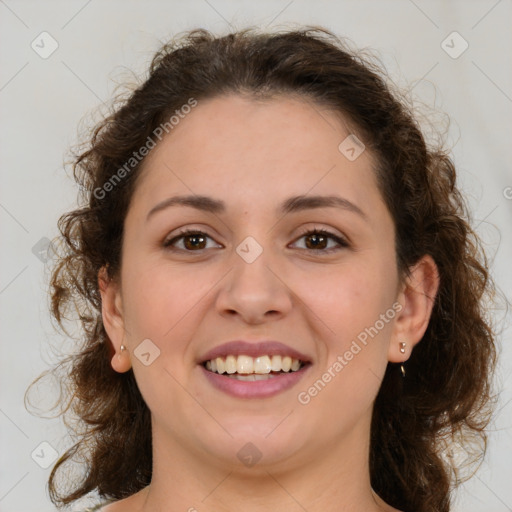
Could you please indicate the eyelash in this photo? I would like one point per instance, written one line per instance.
(343, 244)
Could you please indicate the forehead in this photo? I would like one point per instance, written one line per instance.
(250, 150)
(282, 126)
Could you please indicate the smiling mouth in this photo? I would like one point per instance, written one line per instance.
(248, 368)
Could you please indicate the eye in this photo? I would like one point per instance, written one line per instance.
(193, 241)
(318, 240)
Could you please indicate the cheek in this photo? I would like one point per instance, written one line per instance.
(351, 303)
(160, 302)
(349, 298)
(159, 299)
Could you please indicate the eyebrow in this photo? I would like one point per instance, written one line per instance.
(291, 205)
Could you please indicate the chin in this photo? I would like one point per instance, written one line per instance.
(260, 441)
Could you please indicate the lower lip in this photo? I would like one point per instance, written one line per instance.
(257, 388)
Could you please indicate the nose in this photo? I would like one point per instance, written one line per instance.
(256, 292)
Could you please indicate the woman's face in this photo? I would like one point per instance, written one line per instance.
(254, 272)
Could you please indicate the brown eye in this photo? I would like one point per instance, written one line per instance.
(191, 241)
(194, 241)
(318, 240)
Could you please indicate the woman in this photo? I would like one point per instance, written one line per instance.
(280, 293)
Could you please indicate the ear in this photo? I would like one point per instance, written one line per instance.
(417, 297)
(113, 321)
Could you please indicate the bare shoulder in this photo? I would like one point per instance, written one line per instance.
(132, 503)
(117, 506)
(96, 508)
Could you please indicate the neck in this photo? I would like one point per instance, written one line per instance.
(333, 480)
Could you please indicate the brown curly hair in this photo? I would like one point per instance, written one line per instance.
(446, 394)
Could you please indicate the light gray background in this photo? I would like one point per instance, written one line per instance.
(42, 102)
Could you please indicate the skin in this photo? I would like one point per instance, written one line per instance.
(253, 155)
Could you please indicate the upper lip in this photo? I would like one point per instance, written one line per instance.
(253, 349)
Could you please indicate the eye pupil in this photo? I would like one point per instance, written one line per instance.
(195, 239)
(319, 240)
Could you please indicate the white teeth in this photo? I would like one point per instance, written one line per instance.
(295, 365)
(276, 363)
(252, 377)
(262, 364)
(248, 368)
(244, 364)
(220, 364)
(230, 364)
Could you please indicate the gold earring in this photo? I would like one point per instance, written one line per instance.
(402, 350)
